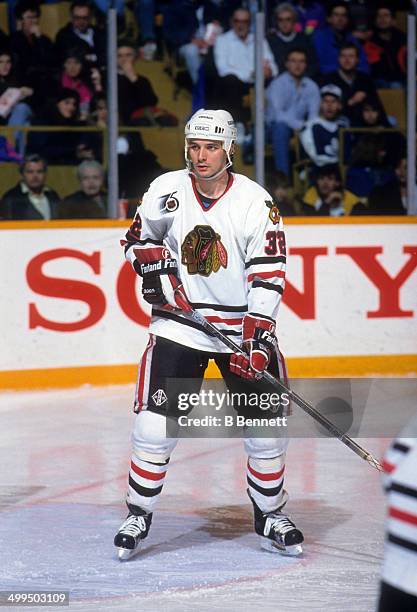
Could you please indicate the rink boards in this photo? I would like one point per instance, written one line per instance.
(72, 313)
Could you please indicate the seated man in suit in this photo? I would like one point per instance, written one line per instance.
(31, 198)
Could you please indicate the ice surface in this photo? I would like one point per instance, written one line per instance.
(64, 458)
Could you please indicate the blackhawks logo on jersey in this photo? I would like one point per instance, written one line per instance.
(273, 211)
(202, 251)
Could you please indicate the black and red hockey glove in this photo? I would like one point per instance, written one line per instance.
(161, 285)
(259, 342)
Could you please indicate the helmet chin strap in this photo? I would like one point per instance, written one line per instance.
(214, 176)
(210, 178)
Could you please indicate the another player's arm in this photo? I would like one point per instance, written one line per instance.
(265, 266)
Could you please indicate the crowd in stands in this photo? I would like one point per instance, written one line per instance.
(324, 64)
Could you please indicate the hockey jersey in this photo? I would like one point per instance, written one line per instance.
(231, 256)
(400, 464)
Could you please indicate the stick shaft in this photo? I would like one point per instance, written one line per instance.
(303, 404)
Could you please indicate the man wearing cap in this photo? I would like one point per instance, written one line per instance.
(320, 137)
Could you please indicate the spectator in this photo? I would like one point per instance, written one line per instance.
(135, 92)
(330, 39)
(98, 111)
(234, 57)
(354, 84)
(372, 115)
(180, 28)
(132, 155)
(360, 12)
(145, 15)
(391, 198)
(15, 108)
(386, 50)
(31, 198)
(320, 137)
(80, 34)
(373, 153)
(280, 188)
(292, 98)
(285, 38)
(68, 146)
(327, 197)
(33, 50)
(187, 32)
(75, 76)
(90, 201)
(310, 16)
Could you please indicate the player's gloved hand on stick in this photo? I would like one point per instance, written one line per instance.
(259, 342)
(161, 285)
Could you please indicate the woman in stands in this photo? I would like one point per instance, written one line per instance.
(66, 147)
(15, 97)
(86, 82)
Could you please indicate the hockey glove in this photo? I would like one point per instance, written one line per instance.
(160, 283)
(259, 342)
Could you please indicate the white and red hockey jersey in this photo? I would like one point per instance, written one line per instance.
(231, 256)
(400, 464)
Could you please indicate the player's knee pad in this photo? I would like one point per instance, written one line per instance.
(149, 439)
(265, 448)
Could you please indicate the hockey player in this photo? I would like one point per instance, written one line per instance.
(399, 573)
(208, 239)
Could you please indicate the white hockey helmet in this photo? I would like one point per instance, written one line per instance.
(211, 125)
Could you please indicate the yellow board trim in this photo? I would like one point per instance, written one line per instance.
(298, 367)
(108, 223)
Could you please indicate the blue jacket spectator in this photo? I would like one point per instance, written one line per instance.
(292, 98)
(329, 40)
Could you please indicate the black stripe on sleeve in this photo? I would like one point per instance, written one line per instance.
(265, 260)
(267, 492)
(401, 542)
(143, 490)
(398, 488)
(261, 316)
(143, 243)
(402, 448)
(221, 307)
(269, 286)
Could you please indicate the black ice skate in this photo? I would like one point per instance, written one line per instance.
(277, 531)
(131, 533)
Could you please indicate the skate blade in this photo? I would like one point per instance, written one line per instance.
(126, 553)
(289, 551)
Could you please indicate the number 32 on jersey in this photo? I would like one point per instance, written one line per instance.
(275, 243)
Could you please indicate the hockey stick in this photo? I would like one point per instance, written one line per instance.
(303, 404)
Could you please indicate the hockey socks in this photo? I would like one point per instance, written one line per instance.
(265, 478)
(146, 480)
